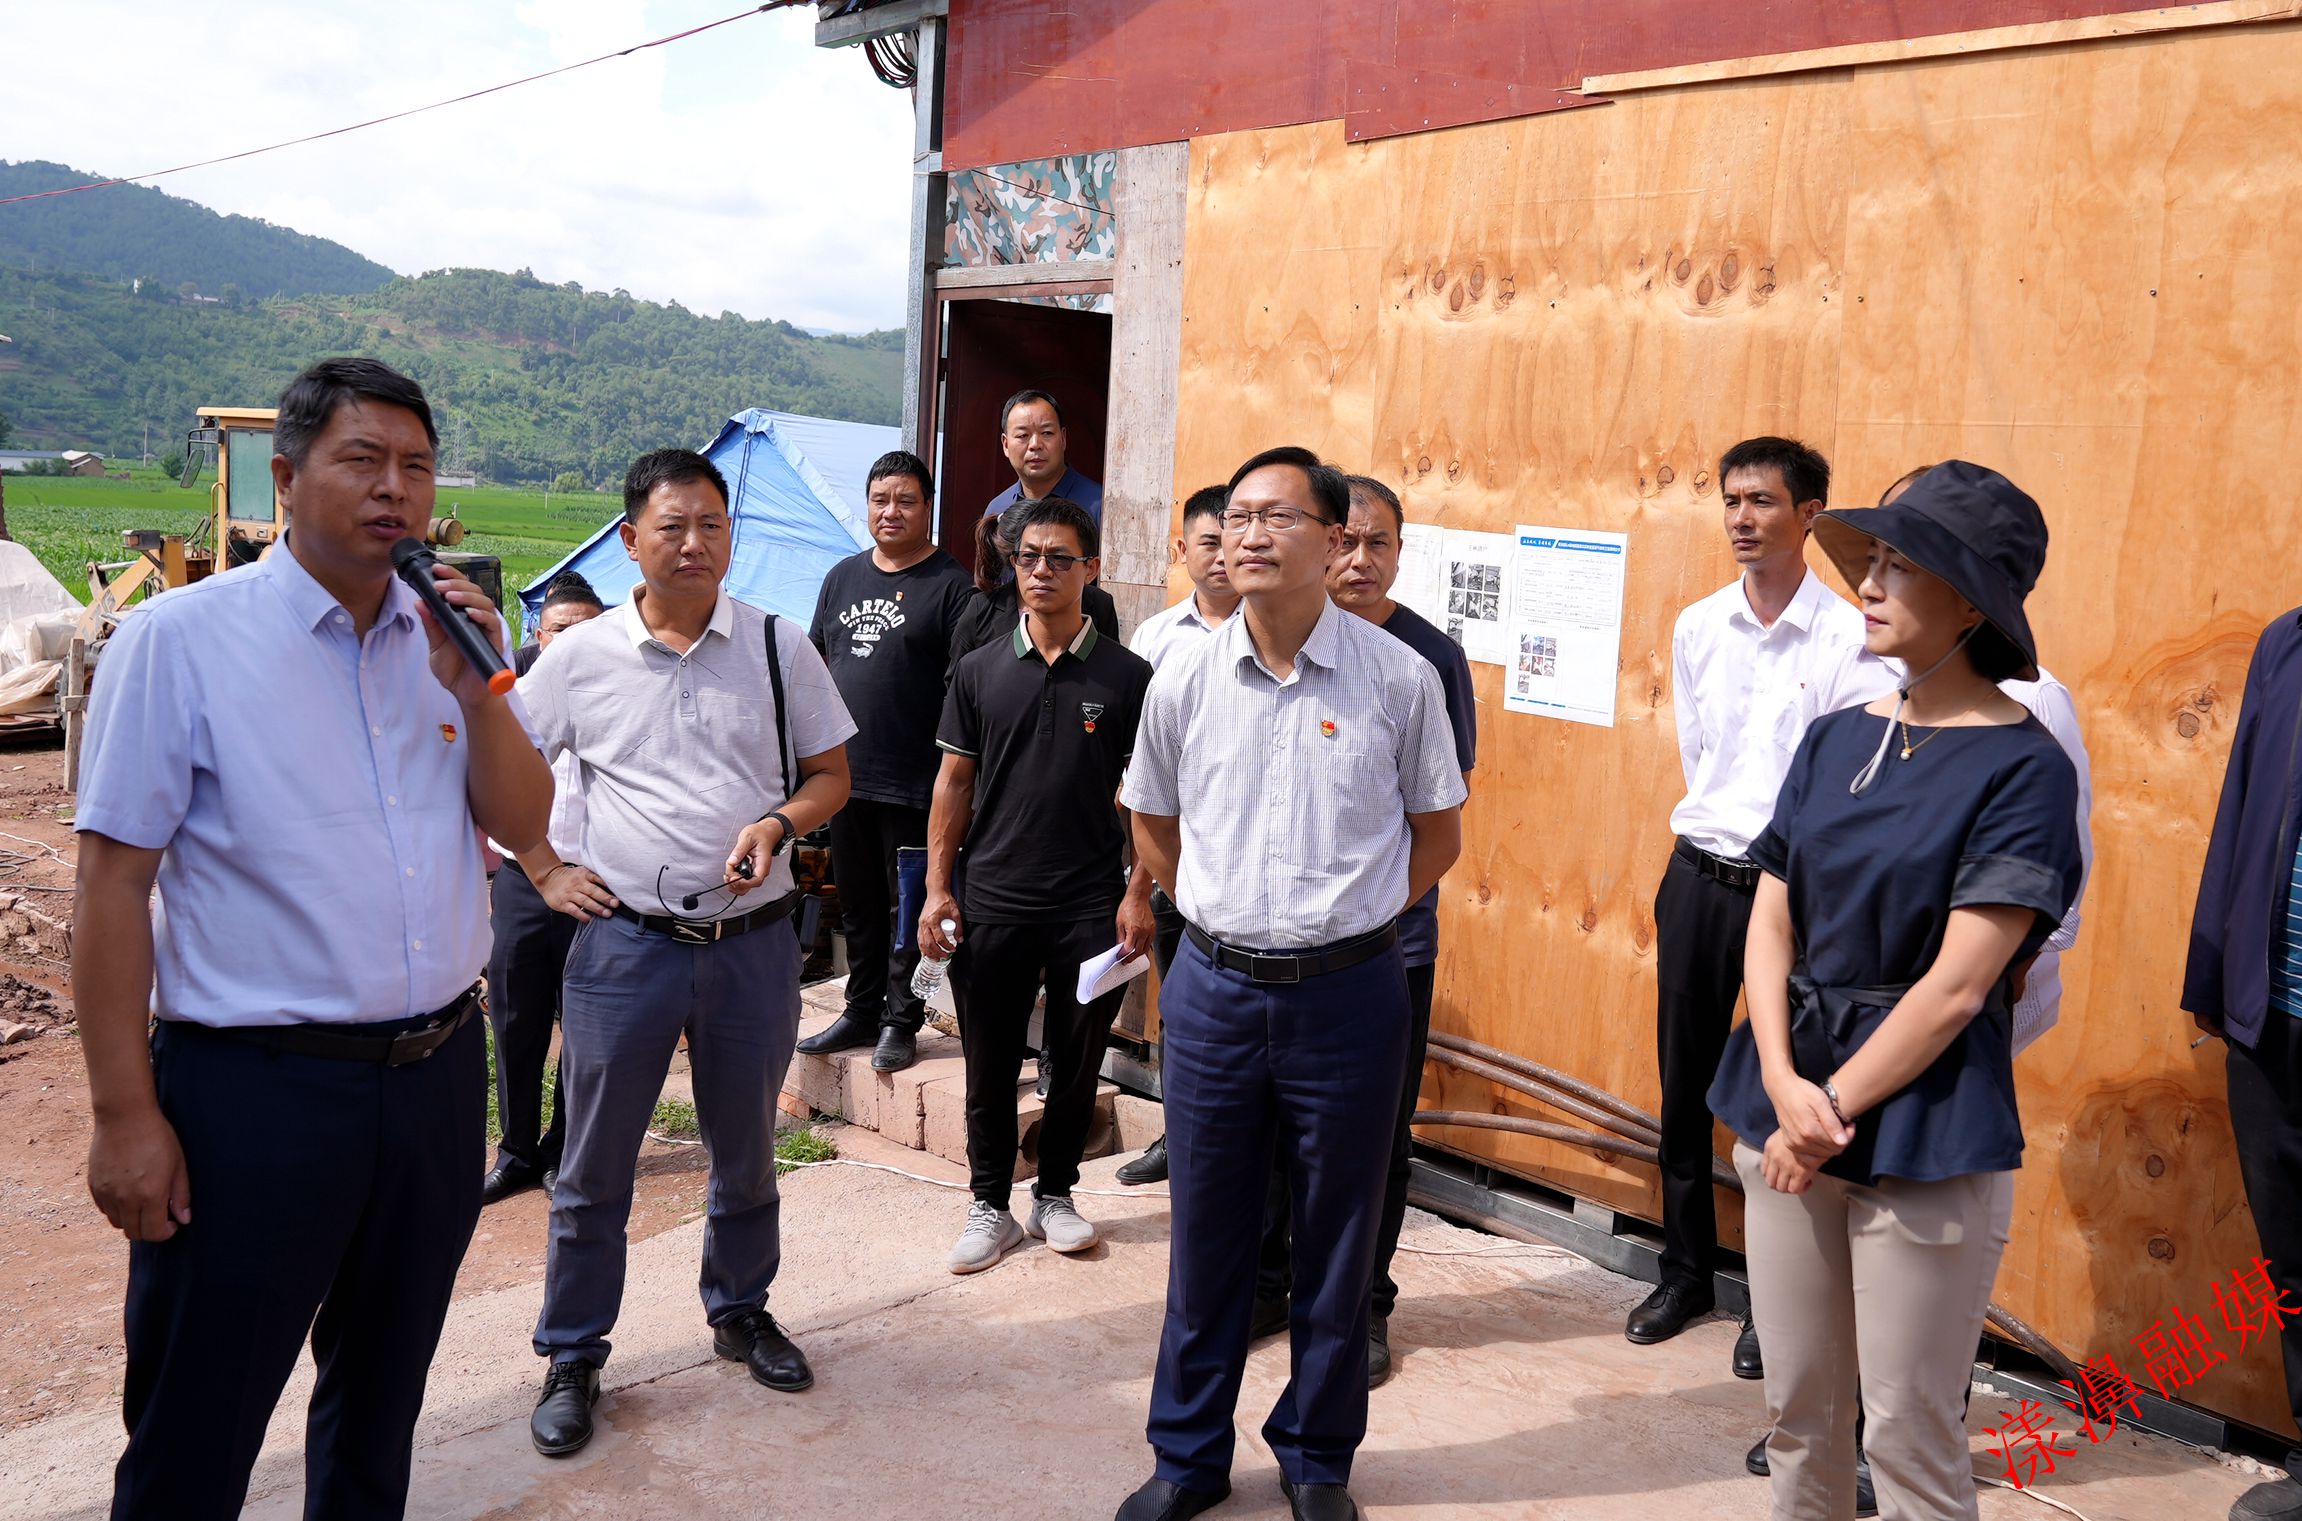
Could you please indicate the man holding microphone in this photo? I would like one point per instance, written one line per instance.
(710, 737)
(303, 762)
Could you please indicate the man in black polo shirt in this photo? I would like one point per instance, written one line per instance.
(1036, 734)
(883, 623)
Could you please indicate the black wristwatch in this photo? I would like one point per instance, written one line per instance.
(789, 833)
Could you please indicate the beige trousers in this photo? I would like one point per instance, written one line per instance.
(1883, 1286)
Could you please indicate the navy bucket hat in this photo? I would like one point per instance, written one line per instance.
(1966, 525)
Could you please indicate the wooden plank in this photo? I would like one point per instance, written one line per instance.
(1146, 353)
(1139, 502)
(1024, 279)
(2062, 261)
(1952, 44)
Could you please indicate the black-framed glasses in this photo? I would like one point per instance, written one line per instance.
(1032, 559)
(1277, 519)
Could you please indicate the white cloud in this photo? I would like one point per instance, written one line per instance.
(742, 170)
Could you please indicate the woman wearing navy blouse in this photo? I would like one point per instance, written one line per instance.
(1921, 851)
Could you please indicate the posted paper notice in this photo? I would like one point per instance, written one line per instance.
(1565, 634)
(1422, 583)
(1477, 585)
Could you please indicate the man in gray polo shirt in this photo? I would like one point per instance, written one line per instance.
(705, 752)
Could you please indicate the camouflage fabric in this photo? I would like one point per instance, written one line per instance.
(1046, 210)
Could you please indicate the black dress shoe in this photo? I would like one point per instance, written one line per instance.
(1665, 1313)
(1747, 1363)
(1319, 1502)
(551, 1180)
(898, 1048)
(846, 1033)
(1040, 1087)
(1159, 1500)
(753, 1338)
(1269, 1319)
(507, 1177)
(561, 1423)
(1378, 1351)
(1865, 1493)
(1151, 1167)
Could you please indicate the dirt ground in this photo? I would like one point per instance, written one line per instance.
(62, 1267)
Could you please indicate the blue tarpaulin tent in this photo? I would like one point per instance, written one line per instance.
(798, 484)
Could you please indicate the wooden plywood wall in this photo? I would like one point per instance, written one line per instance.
(2065, 263)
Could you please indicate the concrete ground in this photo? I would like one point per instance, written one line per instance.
(1021, 1391)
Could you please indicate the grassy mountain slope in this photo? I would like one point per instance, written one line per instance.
(130, 232)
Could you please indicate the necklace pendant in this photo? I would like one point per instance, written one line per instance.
(1906, 752)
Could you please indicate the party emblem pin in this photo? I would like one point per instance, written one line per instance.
(1088, 713)
(447, 734)
(1327, 728)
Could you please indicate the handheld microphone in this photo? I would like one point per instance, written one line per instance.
(414, 563)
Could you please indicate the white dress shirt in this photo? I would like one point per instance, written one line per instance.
(1173, 628)
(679, 751)
(1293, 795)
(307, 788)
(2041, 1002)
(1743, 695)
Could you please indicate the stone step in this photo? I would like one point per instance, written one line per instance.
(924, 1107)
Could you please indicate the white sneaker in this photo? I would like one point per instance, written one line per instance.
(1054, 1221)
(990, 1235)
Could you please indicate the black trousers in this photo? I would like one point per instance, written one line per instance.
(864, 839)
(2266, 1116)
(995, 979)
(340, 1190)
(1700, 925)
(1274, 1265)
(524, 967)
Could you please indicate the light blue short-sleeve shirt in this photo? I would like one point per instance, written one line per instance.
(1293, 795)
(307, 788)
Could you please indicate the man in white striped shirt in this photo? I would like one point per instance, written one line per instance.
(1294, 786)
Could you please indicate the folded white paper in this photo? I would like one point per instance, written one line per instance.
(1114, 968)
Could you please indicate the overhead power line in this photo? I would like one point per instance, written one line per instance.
(495, 89)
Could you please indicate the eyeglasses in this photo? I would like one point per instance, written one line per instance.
(1032, 559)
(1277, 519)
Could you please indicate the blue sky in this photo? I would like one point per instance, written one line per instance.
(741, 170)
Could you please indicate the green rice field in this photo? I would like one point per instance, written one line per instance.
(69, 520)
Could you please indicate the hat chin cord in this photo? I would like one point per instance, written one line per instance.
(1869, 773)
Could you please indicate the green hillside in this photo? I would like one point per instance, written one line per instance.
(529, 379)
(132, 232)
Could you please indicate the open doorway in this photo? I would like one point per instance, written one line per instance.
(993, 349)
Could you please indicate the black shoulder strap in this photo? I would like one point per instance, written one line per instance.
(782, 724)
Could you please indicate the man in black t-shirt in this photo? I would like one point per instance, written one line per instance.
(1036, 733)
(883, 623)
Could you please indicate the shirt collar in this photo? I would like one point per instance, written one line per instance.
(635, 627)
(1323, 648)
(312, 603)
(1081, 643)
(1800, 612)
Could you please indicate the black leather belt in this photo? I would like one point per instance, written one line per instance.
(1294, 966)
(706, 931)
(1742, 875)
(340, 1043)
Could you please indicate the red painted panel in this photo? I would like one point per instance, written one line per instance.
(1030, 78)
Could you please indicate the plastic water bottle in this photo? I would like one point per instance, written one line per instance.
(927, 980)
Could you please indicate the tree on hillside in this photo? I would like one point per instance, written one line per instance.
(568, 480)
(5, 435)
